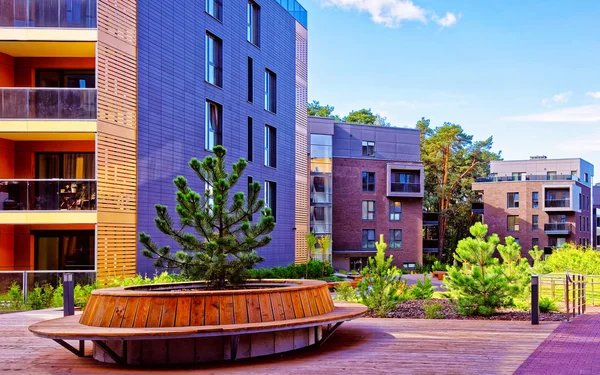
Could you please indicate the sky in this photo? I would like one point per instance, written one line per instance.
(525, 72)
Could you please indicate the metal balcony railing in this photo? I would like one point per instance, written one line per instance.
(48, 103)
(559, 177)
(78, 14)
(47, 195)
(402, 187)
(557, 203)
(558, 227)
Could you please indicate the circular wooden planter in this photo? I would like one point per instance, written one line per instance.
(180, 323)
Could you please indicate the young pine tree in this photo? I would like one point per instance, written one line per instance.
(217, 241)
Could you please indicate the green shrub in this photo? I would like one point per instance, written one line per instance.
(546, 304)
(294, 271)
(57, 298)
(81, 294)
(13, 300)
(437, 266)
(343, 272)
(433, 310)
(381, 282)
(345, 292)
(576, 259)
(40, 297)
(422, 290)
(421, 268)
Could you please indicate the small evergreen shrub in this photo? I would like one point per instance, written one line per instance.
(547, 305)
(345, 292)
(433, 310)
(40, 297)
(422, 290)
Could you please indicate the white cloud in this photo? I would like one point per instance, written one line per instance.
(448, 20)
(392, 13)
(585, 113)
(589, 143)
(595, 95)
(546, 102)
(562, 97)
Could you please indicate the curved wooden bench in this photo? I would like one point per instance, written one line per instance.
(310, 320)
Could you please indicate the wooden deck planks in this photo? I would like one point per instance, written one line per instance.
(394, 346)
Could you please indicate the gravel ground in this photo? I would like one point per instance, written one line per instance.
(413, 309)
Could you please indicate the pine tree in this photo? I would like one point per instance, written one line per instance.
(216, 238)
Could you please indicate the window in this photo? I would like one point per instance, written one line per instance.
(270, 91)
(250, 79)
(214, 63)
(517, 241)
(513, 223)
(518, 176)
(535, 221)
(357, 264)
(68, 165)
(574, 175)
(270, 146)
(213, 121)
(368, 181)
(586, 177)
(209, 196)
(512, 200)
(405, 182)
(215, 9)
(395, 211)
(535, 242)
(535, 199)
(253, 23)
(368, 238)
(271, 197)
(551, 175)
(368, 210)
(250, 182)
(395, 239)
(64, 250)
(368, 148)
(250, 140)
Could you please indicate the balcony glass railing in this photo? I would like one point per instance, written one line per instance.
(78, 14)
(430, 244)
(431, 217)
(296, 10)
(557, 203)
(320, 197)
(562, 227)
(402, 187)
(48, 103)
(560, 177)
(477, 206)
(317, 228)
(47, 195)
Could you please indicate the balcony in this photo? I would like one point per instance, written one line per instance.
(323, 198)
(320, 229)
(405, 180)
(557, 203)
(430, 246)
(477, 207)
(401, 187)
(75, 14)
(431, 218)
(558, 228)
(48, 104)
(48, 195)
(562, 177)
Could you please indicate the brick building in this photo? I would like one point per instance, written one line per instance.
(366, 181)
(543, 202)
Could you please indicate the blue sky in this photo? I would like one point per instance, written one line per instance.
(526, 72)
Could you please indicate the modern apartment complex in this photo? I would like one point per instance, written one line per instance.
(103, 103)
(366, 181)
(543, 202)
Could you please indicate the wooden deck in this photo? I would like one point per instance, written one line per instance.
(394, 346)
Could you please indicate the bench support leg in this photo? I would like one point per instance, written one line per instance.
(235, 341)
(121, 360)
(78, 352)
(329, 332)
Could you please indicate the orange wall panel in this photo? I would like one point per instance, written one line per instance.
(7, 158)
(7, 247)
(23, 255)
(7, 70)
(25, 67)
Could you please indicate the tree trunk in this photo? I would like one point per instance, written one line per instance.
(443, 204)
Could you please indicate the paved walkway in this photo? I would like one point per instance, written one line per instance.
(366, 346)
(573, 348)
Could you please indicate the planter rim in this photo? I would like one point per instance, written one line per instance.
(287, 285)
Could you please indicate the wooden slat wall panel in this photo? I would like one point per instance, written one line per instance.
(117, 250)
(117, 18)
(116, 174)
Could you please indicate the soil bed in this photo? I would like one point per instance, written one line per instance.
(413, 309)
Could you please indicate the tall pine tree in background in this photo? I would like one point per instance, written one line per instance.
(217, 240)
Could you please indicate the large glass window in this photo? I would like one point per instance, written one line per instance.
(215, 8)
(68, 165)
(512, 200)
(65, 78)
(64, 250)
(368, 181)
(270, 146)
(395, 239)
(320, 189)
(320, 153)
(214, 60)
(368, 210)
(405, 182)
(213, 125)
(395, 211)
(513, 223)
(271, 197)
(368, 238)
(270, 91)
(250, 80)
(320, 220)
(535, 199)
(253, 23)
(250, 139)
(368, 148)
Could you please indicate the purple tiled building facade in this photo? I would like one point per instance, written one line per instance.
(366, 181)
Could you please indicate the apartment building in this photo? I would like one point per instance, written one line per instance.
(596, 215)
(103, 103)
(366, 181)
(541, 201)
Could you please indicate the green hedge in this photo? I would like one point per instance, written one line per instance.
(293, 271)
